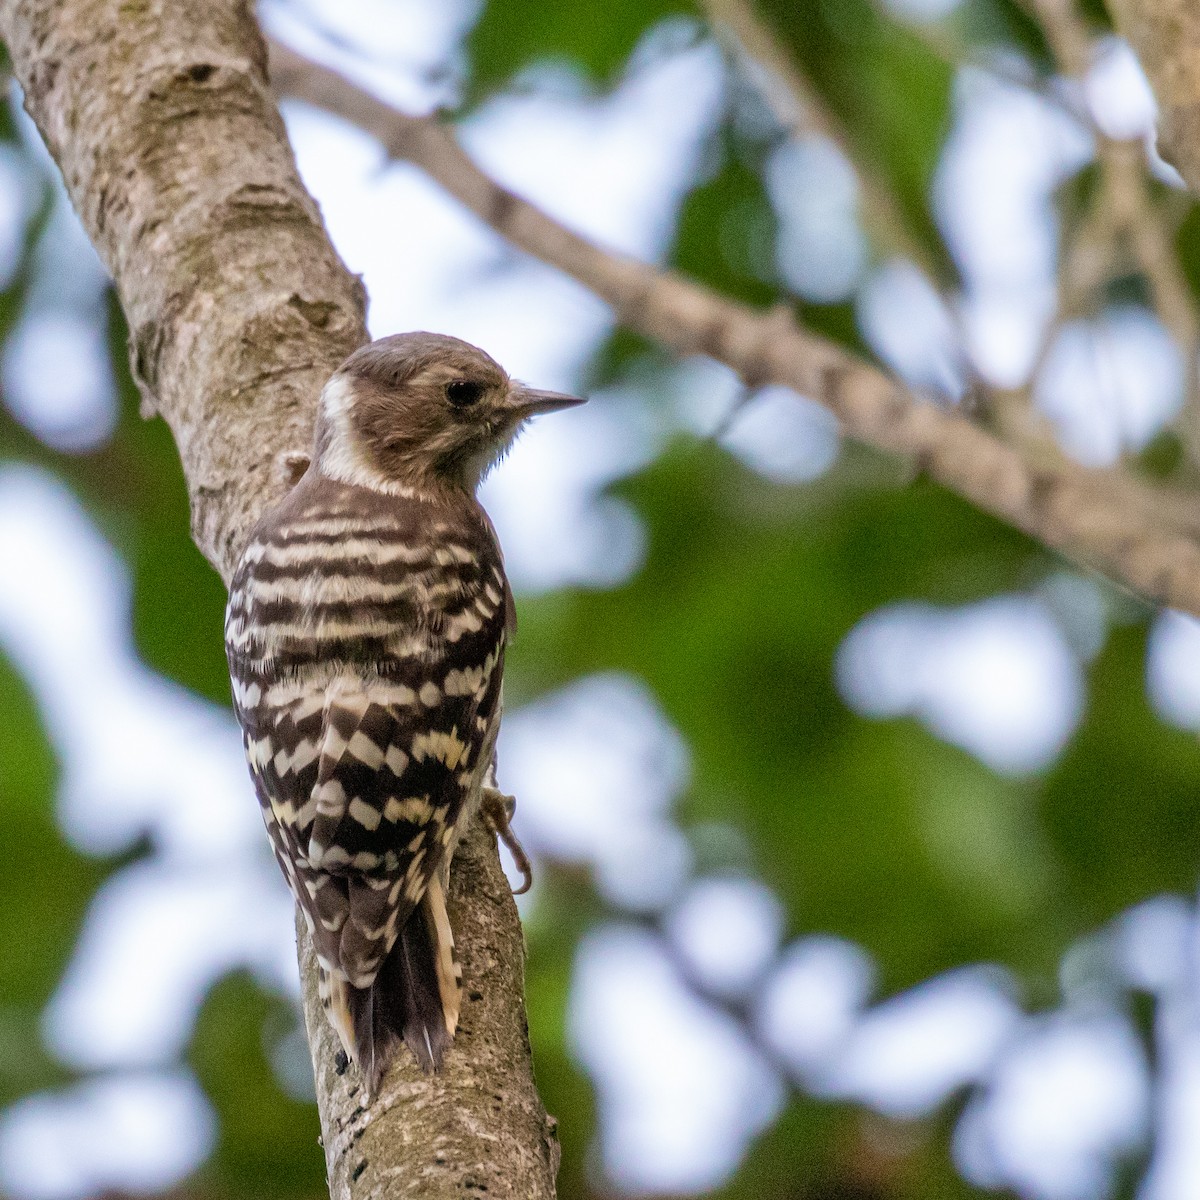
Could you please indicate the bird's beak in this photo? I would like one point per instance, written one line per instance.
(530, 402)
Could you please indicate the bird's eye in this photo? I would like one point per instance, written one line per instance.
(462, 393)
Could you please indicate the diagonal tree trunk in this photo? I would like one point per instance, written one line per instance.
(175, 157)
(159, 116)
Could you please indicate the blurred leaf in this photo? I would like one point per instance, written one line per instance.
(45, 890)
(726, 236)
(1097, 17)
(876, 831)
(624, 356)
(269, 1143)
(1164, 455)
(14, 297)
(511, 35)
(565, 909)
(827, 1151)
(8, 126)
(1120, 807)
(726, 231)
(133, 487)
(1187, 246)
(1002, 24)
(889, 92)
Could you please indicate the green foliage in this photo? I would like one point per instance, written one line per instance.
(730, 214)
(564, 913)
(512, 35)
(888, 91)
(133, 488)
(41, 922)
(1002, 24)
(830, 1152)
(269, 1142)
(1113, 852)
(1187, 247)
(875, 831)
(881, 834)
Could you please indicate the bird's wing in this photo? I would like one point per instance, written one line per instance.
(394, 776)
(366, 666)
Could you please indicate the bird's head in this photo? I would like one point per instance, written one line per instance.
(421, 410)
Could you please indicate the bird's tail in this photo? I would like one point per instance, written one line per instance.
(415, 998)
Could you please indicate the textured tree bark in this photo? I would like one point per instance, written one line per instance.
(1166, 36)
(159, 116)
(477, 1131)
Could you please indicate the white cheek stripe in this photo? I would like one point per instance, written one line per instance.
(343, 459)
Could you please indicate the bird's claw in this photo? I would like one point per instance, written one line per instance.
(498, 810)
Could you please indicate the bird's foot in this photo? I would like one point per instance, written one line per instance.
(497, 810)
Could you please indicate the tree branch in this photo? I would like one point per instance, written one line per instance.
(160, 119)
(1166, 36)
(1136, 535)
(1128, 228)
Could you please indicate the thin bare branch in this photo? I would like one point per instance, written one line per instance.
(1132, 537)
(1126, 228)
(1139, 231)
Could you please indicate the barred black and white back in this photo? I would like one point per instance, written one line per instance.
(365, 632)
(366, 646)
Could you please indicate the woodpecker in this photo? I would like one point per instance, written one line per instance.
(365, 632)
